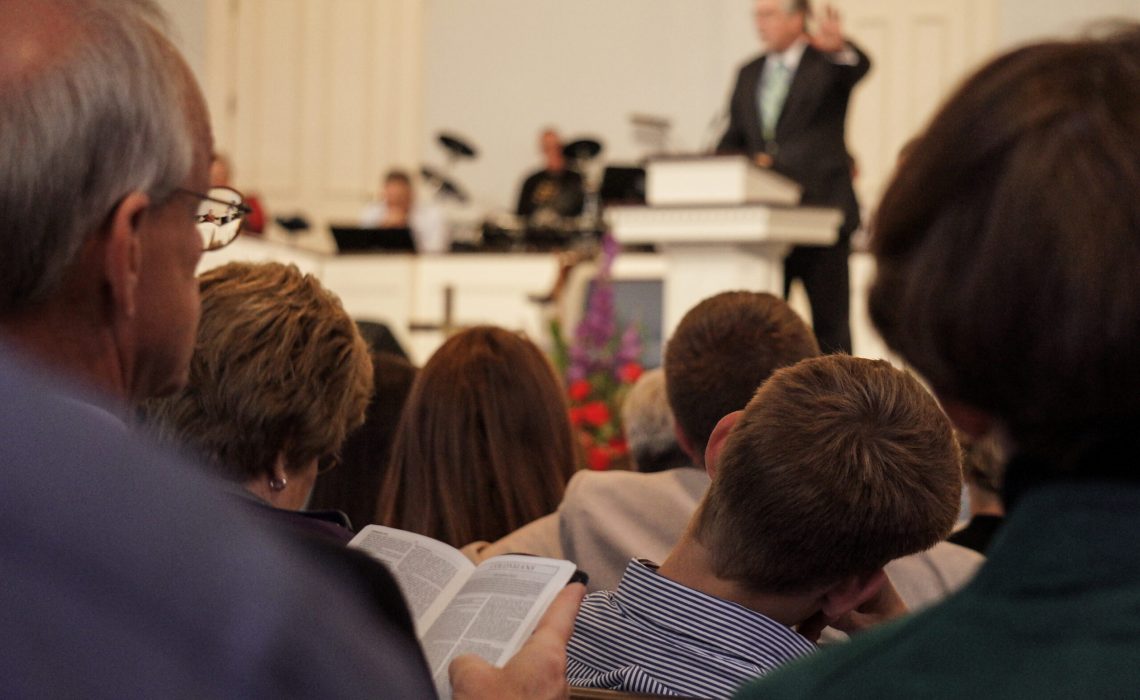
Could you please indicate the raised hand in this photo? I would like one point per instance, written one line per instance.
(828, 35)
(879, 602)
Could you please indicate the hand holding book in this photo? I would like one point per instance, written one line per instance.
(489, 610)
(538, 670)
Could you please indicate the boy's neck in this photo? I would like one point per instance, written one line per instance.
(690, 564)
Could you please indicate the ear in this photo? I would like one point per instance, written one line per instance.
(850, 593)
(972, 421)
(279, 472)
(716, 441)
(123, 252)
(280, 466)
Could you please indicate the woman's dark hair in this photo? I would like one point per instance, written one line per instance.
(484, 445)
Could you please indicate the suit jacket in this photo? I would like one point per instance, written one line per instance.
(809, 144)
(608, 517)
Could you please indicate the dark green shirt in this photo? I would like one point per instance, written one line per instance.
(1054, 612)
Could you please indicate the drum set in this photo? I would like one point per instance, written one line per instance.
(545, 230)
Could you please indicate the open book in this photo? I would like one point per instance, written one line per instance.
(460, 608)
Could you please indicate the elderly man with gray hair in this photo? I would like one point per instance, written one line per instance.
(126, 573)
(648, 423)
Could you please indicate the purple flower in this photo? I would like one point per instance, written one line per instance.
(596, 349)
(610, 249)
(629, 348)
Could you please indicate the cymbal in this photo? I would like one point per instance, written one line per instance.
(582, 149)
(451, 189)
(431, 175)
(456, 146)
(293, 224)
(444, 185)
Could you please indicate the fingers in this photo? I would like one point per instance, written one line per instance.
(829, 16)
(537, 671)
(557, 625)
(472, 677)
(813, 627)
(828, 36)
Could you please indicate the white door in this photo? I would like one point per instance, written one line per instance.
(314, 99)
(920, 50)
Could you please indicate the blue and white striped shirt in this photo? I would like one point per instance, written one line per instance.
(655, 636)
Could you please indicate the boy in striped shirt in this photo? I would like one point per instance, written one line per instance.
(836, 466)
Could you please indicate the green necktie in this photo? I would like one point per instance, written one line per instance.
(773, 92)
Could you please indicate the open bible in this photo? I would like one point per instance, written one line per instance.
(460, 608)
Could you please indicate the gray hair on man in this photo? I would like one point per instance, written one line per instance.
(794, 6)
(81, 129)
(648, 421)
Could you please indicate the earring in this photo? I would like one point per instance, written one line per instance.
(277, 484)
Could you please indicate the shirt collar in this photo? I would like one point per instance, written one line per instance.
(747, 633)
(792, 55)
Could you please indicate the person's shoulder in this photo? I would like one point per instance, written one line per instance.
(534, 176)
(538, 537)
(372, 213)
(255, 575)
(750, 67)
(591, 484)
(927, 577)
(753, 63)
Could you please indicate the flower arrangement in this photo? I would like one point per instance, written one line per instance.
(599, 367)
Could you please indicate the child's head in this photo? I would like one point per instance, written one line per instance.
(837, 466)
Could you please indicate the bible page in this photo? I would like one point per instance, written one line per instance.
(429, 572)
(494, 612)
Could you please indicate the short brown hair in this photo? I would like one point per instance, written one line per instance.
(723, 349)
(484, 445)
(1009, 242)
(397, 175)
(838, 465)
(278, 366)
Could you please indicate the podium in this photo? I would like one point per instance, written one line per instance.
(717, 247)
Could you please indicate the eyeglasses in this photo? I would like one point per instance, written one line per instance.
(327, 464)
(219, 216)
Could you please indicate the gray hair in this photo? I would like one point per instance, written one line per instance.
(983, 463)
(793, 6)
(647, 418)
(81, 130)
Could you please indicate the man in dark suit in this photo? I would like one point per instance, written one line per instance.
(788, 111)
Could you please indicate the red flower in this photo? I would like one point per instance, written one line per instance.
(630, 372)
(599, 458)
(575, 416)
(596, 413)
(580, 390)
(617, 444)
